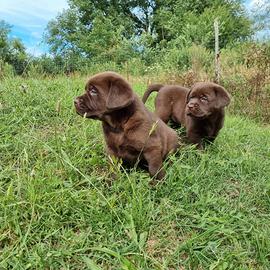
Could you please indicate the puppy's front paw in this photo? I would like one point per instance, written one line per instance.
(158, 178)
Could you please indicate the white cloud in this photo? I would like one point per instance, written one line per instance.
(30, 18)
(29, 12)
(43, 8)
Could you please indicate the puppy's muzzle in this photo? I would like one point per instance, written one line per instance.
(79, 105)
(192, 108)
(76, 102)
(193, 105)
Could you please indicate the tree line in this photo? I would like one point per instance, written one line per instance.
(93, 32)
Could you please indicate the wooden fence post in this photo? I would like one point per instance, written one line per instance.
(217, 62)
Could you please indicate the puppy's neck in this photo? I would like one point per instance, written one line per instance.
(116, 119)
(216, 114)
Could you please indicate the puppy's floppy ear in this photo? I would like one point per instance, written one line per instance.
(120, 95)
(222, 96)
(187, 96)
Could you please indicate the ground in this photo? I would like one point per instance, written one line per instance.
(60, 209)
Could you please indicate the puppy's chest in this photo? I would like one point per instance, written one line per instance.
(121, 145)
(208, 130)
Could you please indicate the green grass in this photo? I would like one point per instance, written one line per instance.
(59, 210)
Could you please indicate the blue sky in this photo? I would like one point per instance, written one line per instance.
(30, 17)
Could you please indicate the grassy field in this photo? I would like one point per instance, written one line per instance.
(60, 211)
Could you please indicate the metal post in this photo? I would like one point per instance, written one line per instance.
(217, 64)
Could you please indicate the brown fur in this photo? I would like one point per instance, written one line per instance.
(200, 109)
(131, 132)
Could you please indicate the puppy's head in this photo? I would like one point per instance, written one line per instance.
(105, 92)
(205, 98)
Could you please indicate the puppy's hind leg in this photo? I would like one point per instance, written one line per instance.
(163, 109)
(154, 160)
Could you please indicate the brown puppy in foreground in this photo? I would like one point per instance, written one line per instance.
(131, 132)
(199, 109)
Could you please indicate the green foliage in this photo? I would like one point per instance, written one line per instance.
(4, 44)
(106, 42)
(193, 23)
(120, 31)
(62, 32)
(6, 70)
(156, 34)
(12, 51)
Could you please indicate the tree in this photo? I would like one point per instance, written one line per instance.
(107, 28)
(12, 51)
(4, 43)
(100, 39)
(261, 13)
(192, 22)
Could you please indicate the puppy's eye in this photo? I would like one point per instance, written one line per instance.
(203, 98)
(92, 91)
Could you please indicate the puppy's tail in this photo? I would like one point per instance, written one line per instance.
(151, 88)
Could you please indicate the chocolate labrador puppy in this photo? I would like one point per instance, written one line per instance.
(200, 109)
(131, 132)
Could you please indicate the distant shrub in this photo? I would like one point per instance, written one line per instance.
(6, 70)
(246, 74)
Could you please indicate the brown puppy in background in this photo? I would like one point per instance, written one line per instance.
(199, 109)
(131, 132)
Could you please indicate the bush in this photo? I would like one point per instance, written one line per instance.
(6, 70)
